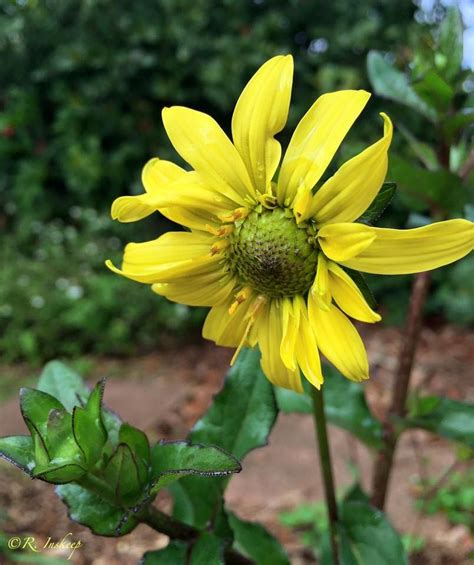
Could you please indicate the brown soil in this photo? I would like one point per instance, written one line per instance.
(166, 392)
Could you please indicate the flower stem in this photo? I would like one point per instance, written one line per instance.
(326, 468)
(384, 462)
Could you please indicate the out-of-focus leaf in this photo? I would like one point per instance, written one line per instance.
(380, 203)
(344, 403)
(420, 188)
(94, 512)
(19, 451)
(252, 539)
(452, 125)
(425, 153)
(173, 460)
(448, 418)
(451, 43)
(175, 553)
(89, 430)
(365, 536)
(208, 550)
(63, 383)
(393, 84)
(434, 90)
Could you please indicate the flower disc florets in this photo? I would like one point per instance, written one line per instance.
(274, 255)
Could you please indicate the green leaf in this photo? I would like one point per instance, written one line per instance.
(365, 536)
(92, 511)
(453, 125)
(424, 152)
(63, 383)
(380, 203)
(239, 420)
(88, 427)
(35, 408)
(137, 441)
(451, 43)
(19, 451)
(448, 418)
(173, 460)
(121, 473)
(435, 91)
(175, 553)
(243, 412)
(420, 188)
(208, 550)
(256, 542)
(391, 83)
(345, 407)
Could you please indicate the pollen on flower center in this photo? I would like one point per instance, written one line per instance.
(273, 255)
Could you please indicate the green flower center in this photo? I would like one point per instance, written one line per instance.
(274, 255)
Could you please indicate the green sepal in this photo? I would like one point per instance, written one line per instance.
(91, 510)
(379, 204)
(18, 450)
(121, 474)
(255, 541)
(35, 407)
(451, 419)
(88, 426)
(138, 442)
(59, 472)
(175, 459)
(59, 439)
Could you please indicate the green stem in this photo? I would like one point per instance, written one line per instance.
(326, 468)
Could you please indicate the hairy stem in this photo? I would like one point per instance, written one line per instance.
(411, 335)
(175, 529)
(326, 468)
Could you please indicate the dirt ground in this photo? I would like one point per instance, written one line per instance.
(182, 382)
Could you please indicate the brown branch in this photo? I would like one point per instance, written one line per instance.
(411, 334)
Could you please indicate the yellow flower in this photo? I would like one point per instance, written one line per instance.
(269, 255)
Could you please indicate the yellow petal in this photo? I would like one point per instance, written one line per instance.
(321, 289)
(171, 256)
(270, 335)
(317, 138)
(290, 323)
(307, 353)
(344, 241)
(339, 341)
(201, 142)
(399, 252)
(260, 113)
(348, 296)
(200, 290)
(224, 328)
(156, 176)
(347, 194)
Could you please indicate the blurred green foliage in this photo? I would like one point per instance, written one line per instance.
(83, 85)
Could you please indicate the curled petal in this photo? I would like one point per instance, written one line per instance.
(260, 113)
